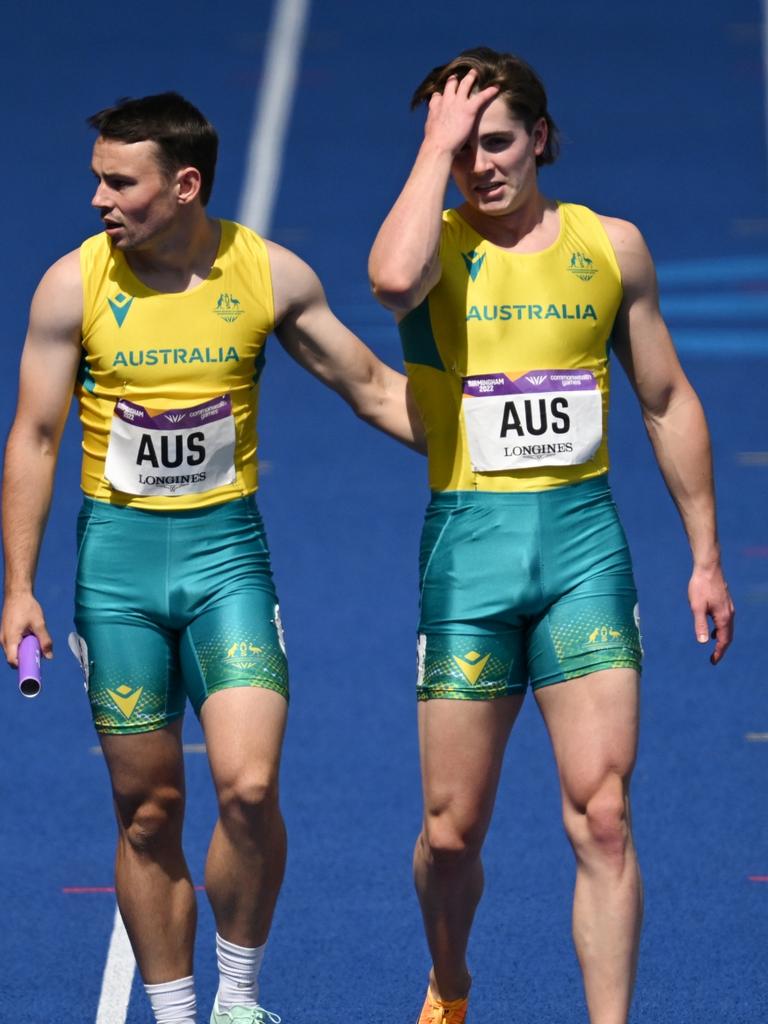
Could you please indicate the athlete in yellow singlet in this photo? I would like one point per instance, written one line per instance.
(164, 353)
(509, 308)
(159, 325)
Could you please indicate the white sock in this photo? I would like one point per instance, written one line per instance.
(174, 1002)
(238, 974)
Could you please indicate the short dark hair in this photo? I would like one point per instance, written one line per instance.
(184, 137)
(519, 85)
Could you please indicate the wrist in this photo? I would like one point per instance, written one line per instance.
(435, 150)
(708, 560)
(15, 589)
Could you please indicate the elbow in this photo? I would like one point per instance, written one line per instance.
(399, 300)
(396, 291)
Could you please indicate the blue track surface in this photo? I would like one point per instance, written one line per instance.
(661, 108)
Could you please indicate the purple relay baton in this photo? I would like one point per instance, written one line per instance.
(29, 667)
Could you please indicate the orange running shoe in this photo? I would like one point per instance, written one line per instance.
(435, 1011)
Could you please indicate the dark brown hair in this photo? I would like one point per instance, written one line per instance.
(183, 136)
(519, 85)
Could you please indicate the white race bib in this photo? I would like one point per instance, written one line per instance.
(543, 418)
(180, 451)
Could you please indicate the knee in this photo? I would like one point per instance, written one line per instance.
(248, 800)
(148, 824)
(599, 829)
(447, 844)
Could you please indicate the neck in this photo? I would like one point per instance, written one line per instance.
(510, 228)
(181, 256)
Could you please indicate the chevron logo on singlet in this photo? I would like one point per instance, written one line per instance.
(472, 665)
(120, 306)
(474, 261)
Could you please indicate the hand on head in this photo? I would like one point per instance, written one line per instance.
(454, 112)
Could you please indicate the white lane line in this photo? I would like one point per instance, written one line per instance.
(757, 737)
(118, 977)
(265, 153)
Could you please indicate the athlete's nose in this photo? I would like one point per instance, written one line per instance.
(99, 199)
(482, 162)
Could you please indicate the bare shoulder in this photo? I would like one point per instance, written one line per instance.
(59, 294)
(623, 234)
(65, 273)
(632, 253)
(295, 285)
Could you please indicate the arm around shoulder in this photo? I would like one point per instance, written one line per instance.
(312, 335)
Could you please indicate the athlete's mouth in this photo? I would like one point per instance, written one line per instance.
(490, 187)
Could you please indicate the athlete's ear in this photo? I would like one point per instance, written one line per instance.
(540, 136)
(188, 184)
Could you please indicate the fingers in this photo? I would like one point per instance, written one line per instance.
(454, 112)
(701, 625)
(45, 641)
(709, 599)
(464, 89)
(20, 619)
(722, 634)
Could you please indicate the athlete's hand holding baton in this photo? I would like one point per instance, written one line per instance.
(20, 619)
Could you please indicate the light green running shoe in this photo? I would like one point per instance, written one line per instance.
(243, 1015)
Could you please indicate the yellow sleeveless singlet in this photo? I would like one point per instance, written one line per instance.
(508, 358)
(178, 362)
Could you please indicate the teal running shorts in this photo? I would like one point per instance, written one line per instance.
(523, 587)
(170, 605)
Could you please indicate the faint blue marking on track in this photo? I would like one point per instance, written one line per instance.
(727, 342)
(728, 270)
(717, 307)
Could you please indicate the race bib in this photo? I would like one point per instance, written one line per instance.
(180, 451)
(543, 418)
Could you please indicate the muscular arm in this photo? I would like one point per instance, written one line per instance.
(310, 333)
(404, 262)
(676, 426)
(48, 366)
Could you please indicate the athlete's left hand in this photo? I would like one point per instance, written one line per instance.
(709, 599)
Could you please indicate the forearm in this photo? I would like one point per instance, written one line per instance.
(404, 256)
(389, 407)
(27, 489)
(680, 439)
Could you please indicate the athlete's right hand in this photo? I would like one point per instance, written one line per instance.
(23, 615)
(452, 114)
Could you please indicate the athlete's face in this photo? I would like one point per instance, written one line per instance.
(495, 170)
(136, 199)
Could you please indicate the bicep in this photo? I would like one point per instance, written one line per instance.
(50, 356)
(308, 330)
(641, 339)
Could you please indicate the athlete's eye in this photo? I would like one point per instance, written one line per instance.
(495, 143)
